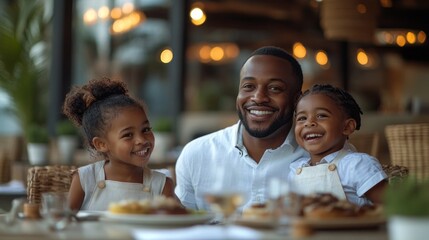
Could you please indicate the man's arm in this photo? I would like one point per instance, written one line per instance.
(184, 189)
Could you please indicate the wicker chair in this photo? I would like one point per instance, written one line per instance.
(47, 179)
(409, 147)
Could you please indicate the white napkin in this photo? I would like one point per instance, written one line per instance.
(13, 186)
(200, 232)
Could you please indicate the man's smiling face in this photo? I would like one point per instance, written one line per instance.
(267, 93)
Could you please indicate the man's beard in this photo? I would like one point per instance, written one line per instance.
(278, 123)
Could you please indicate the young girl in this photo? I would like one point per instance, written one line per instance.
(117, 128)
(325, 117)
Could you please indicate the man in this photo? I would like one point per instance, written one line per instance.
(257, 148)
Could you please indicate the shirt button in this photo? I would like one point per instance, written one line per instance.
(332, 167)
(101, 184)
(298, 171)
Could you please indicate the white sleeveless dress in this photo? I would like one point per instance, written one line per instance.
(99, 192)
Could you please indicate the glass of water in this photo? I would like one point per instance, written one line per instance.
(55, 209)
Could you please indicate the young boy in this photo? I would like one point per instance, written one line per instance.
(325, 116)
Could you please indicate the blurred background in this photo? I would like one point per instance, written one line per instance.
(182, 57)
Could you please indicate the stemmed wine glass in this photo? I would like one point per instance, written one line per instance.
(224, 196)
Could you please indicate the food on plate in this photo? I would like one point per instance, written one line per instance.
(157, 205)
(258, 211)
(327, 206)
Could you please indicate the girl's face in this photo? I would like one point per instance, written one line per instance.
(321, 126)
(129, 137)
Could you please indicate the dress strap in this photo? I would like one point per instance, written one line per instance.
(147, 179)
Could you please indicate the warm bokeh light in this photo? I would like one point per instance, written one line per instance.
(166, 55)
(127, 8)
(213, 53)
(90, 16)
(400, 37)
(103, 12)
(196, 13)
(400, 40)
(116, 13)
(362, 57)
(411, 37)
(217, 53)
(204, 53)
(231, 51)
(198, 17)
(386, 3)
(388, 37)
(361, 8)
(421, 37)
(299, 50)
(128, 22)
(198, 22)
(321, 58)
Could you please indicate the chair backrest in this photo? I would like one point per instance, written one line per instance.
(366, 142)
(409, 147)
(42, 179)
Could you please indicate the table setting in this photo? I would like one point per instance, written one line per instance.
(225, 221)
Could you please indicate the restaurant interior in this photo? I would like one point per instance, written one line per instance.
(182, 57)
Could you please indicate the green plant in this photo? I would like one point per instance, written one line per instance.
(65, 127)
(24, 58)
(37, 134)
(409, 197)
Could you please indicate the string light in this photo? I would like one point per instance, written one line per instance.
(299, 50)
(198, 17)
(214, 53)
(124, 18)
(322, 58)
(166, 55)
(400, 37)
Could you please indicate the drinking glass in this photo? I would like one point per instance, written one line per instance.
(224, 196)
(15, 210)
(55, 209)
(285, 204)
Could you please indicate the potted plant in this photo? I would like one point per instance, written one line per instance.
(164, 138)
(407, 209)
(24, 62)
(67, 141)
(37, 144)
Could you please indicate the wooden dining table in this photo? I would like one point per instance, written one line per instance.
(27, 229)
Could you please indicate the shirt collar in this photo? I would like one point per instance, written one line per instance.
(326, 159)
(238, 137)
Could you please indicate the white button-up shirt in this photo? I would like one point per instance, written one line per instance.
(195, 167)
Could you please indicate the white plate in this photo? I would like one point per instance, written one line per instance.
(159, 220)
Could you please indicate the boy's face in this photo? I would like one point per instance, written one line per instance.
(321, 125)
